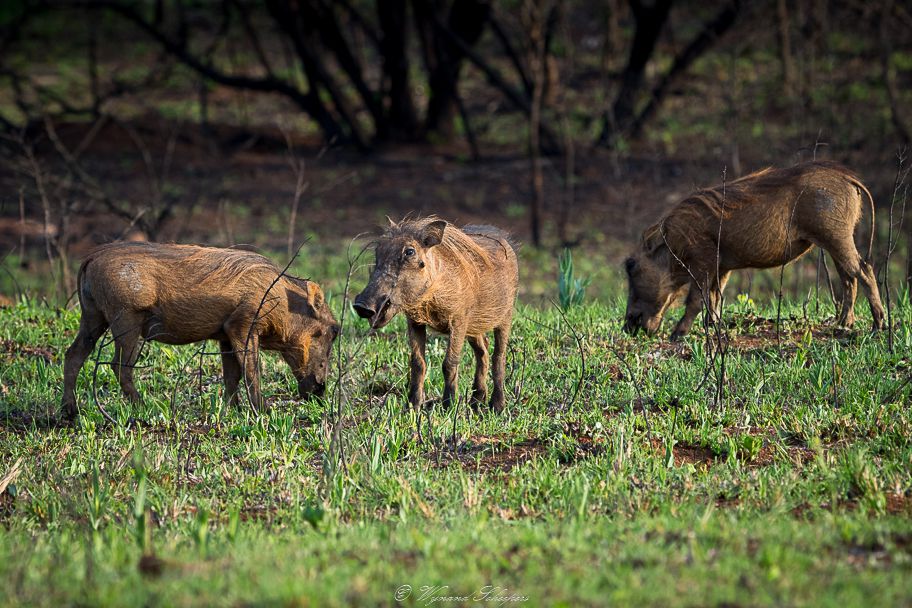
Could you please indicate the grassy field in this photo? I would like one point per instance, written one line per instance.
(626, 471)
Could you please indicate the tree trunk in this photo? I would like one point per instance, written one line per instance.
(785, 48)
(538, 63)
(325, 22)
(467, 19)
(649, 23)
(722, 22)
(613, 42)
(299, 26)
(400, 113)
(903, 131)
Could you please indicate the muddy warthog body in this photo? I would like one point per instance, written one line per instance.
(179, 294)
(457, 282)
(762, 220)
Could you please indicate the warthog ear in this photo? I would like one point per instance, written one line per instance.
(433, 233)
(652, 241)
(315, 295)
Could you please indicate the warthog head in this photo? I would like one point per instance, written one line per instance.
(307, 348)
(649, 292)
(401, 274)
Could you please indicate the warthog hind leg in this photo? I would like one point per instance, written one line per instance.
(852, 269)
(231, 370)
(91, 326)
(501, 338)
(479, 385)
(869, 284)
(126, 330)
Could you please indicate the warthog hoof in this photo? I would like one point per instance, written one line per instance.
(497, 404)
(677, 336)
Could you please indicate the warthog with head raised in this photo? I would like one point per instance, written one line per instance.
(457, 282)
(179, 294)
(762, 220)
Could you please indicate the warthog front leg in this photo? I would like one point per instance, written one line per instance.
(451, 364)
(501, 338)
(247, 353)
(692, 307)
(695, 301)
(417, 337)
(231, 370)
(91, 326)
(479, 385)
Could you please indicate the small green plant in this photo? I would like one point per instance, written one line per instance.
(201, 530)
(141, 532)
(744, 304)
(745, 448)
(97, 498)
(570, 289)
(858, 475)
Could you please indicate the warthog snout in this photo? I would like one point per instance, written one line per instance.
(633, 324)
(374, 308)
(309, 386)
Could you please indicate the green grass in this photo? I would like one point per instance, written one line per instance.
(639, 489)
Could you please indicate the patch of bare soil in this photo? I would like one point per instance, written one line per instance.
(705, 456)
(896, 504)
(44, 416)
(688, 453)
(493, 453)
(899, 504)
(696, 455)
(502, 454)
(759, 333)
(879, 552)
(14, 349)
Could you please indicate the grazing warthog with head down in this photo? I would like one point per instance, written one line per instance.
(457, 282)
(762, 220)
(180, 294)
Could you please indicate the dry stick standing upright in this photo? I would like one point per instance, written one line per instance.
(899, 183)
(457, 282)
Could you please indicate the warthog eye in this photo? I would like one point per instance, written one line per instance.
(409, 252)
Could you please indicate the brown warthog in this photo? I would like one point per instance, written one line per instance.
(458, 282)
(180, 294)
(764, 219)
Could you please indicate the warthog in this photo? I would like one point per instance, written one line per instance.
(764, 219)
(457, 282)
(179, 294)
